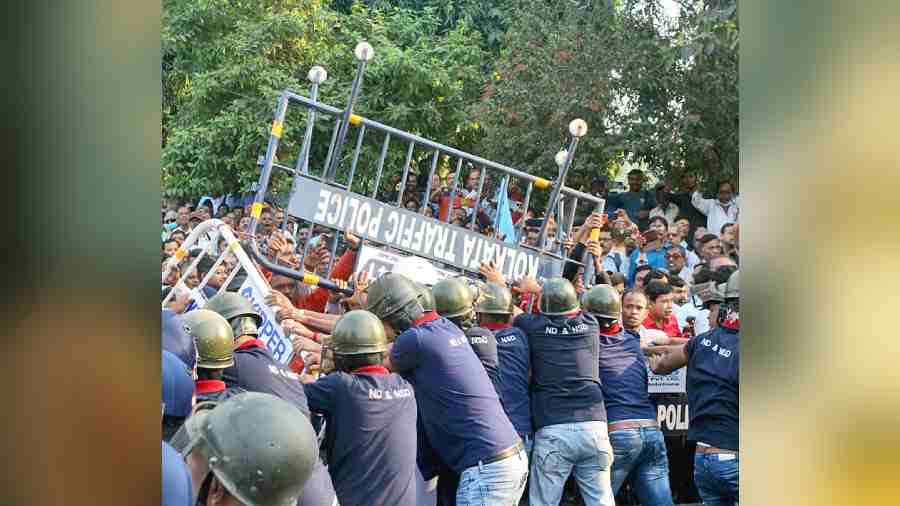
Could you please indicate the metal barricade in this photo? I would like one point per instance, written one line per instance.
(313, 182)
(255, 287)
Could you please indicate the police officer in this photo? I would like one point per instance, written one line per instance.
(713, 364)
(567, 401)
(253, 449)
(215, 349)
(256, 370)
(177, 394)
(454, 300)
(494, 312)
(638, 443)
(375, 465)
(461, 413)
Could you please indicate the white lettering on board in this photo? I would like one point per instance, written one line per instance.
(391, 233)
(322, 205)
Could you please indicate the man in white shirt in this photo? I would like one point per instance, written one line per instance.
(719, 211)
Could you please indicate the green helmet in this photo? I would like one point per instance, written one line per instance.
(495, 299)
(452, 298)
(558, 297)
(262, 449)
(358, 332)
(389, 294)
(239, 312)
(603, 301)
(732, 287)
(709, 293)
(214, 338)
(426, 298)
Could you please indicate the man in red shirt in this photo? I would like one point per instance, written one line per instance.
(661, 313)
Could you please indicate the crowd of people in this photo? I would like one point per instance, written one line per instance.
(421, 390)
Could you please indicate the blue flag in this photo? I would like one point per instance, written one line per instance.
(503, 221)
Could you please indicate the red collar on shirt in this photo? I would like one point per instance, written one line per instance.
(429, 316)
(670, 326)
(370, 369)
(209, 386)
(496, 326)
(611, 330)
(253, 343)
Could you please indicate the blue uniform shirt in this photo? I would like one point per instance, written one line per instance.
(485, 347)
(623, 377)
(255, 370)
(461, 412)
(565, 377)
(370, 435)
(515, 366)
(712, 387)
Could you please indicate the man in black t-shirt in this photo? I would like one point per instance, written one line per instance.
(567, 401)
(370, 430)
(713, 369)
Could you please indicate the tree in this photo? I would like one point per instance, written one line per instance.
(653, 90)
(225, 63)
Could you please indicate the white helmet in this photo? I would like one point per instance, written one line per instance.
(418, 269)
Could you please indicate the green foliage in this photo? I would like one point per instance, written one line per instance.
(226, 62)
(500, 79)
(653, 90)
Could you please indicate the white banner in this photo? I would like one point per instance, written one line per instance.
(377, 261)
(270, 331)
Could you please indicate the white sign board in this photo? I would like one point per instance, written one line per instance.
(376, 262)
(270, 331)
(672, 383)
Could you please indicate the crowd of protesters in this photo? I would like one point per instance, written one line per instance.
(416, 390)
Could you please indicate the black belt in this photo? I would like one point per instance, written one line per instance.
(509, 452)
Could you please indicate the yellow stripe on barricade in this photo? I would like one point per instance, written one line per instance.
(542, 183)
(277, 128)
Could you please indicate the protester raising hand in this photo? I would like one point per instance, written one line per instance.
(491, 273)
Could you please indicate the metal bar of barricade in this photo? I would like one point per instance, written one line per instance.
(478, 197)
(256, 208)
(426, 200)
(447, 150)
(184, 250)
(334, 134)
(302, 166)
(557, 188)
(359, 141)
(303, 159)
(409, 153)
(456, 175)
(345, 121)
(384, 149)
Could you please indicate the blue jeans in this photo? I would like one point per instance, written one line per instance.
(641, 454)
(496, 484)
(716, 477)
(582, 449)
